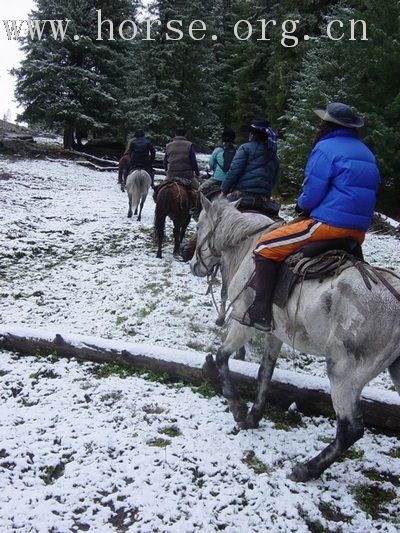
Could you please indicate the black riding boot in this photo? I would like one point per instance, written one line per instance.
(260, 312)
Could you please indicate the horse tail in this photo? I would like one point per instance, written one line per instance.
(138, 186)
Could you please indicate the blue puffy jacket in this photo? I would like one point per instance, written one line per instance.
(342, 179)
(249, 172)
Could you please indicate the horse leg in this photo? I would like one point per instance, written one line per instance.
(237, 336)
(130, 206)
(346, 385)
(240, 354)
(177, 241)
(159, 230)
(394, 371)
(272, 348)
(184, 226)
(141, 208)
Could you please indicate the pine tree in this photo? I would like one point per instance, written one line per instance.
(172, 82)
(365, 74)
(76, 84)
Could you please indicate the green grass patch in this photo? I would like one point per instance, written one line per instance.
(253, 462)
(186, 299)
(153, 409)
(372, 499)
(206, 390)
(120, 320)
(198, 346)
(49, 474)
(152, 288)
(170, 431)
(193, 326)
(314, 526)
(285, 420)
(113, 369)
(146, 311)
(159, 442)
(375, 475)
(351, 454)
(332, 513)
(395, 453)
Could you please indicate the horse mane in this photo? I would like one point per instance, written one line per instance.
(236, 226)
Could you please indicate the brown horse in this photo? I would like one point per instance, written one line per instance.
(122, 164)
(173, 201)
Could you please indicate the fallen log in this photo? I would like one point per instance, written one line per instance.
(89, 164)
(381, 408)
(101, 161)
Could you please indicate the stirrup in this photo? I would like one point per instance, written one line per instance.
(257, 324)
(262, 326)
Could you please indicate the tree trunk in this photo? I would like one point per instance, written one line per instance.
(380, 408)
(69, 143)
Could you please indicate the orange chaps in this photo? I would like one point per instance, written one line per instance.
(282, 242)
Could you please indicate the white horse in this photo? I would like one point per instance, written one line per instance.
(137, 186)
(354, 328)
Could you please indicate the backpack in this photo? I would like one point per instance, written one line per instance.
(228, 155)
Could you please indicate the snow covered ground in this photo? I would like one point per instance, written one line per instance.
(82, 452)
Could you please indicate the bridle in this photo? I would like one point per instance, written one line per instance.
(209, 239)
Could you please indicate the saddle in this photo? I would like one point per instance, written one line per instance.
(187, 183)
(323, 259)
(211, 192)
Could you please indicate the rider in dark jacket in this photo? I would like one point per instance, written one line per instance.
(141, 155)
(255, 167)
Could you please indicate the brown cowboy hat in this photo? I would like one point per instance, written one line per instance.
(341, 114)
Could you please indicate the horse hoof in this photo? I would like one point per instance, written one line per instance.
(300, 473)
(251, 422)
(220, 321)
(129, 215)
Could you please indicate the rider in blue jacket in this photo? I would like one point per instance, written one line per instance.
(338, 199)
(341, 181)
(255, 166)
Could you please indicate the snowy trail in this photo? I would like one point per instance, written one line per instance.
(78, 450)
(83, 452)
(70, 257)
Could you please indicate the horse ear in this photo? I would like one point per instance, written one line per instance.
(205, 202)
(236, 204)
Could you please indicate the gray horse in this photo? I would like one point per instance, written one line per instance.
(354, 328)
(137, 186)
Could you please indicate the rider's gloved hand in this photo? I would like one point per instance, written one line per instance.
(301, 211)
(298, 209)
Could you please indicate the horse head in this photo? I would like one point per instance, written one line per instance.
(208, 248)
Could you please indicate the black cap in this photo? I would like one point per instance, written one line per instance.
(228, 135)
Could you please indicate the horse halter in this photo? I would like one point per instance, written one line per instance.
(214, 253)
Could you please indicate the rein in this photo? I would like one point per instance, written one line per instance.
(215, 253)
(212, 272)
